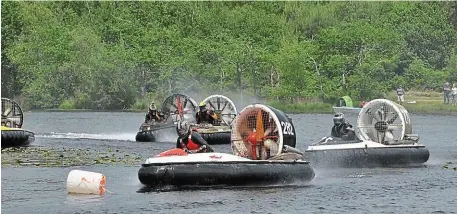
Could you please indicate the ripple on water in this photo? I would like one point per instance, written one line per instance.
(89, 136)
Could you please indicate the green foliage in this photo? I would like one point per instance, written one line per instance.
(310, 107)
(67, 104)
(121, 55)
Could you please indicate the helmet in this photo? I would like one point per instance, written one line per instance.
(152, 109)
(202, 106)
(152, 106)
(183, 129)
(338, 118)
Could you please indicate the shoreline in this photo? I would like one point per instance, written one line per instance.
(299, 108)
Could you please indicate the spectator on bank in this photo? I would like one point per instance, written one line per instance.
(401, 95)
(446, 92)
(454, 94)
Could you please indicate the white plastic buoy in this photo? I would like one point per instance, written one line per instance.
(84, 182)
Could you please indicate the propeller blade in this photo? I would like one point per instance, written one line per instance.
(376, 117)
(178, 104)
(392, 127)
(381, 114)
(365, 127)
(395, 116)
(174, 105)
(259, 126)
(7, 112)
(383, 137)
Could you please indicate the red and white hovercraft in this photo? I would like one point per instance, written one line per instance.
(263, 141)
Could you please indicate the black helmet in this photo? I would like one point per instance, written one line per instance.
(338, 118)
(183, 129)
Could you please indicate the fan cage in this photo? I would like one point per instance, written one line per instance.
(170, 107)
(245, 123)
(383, 121)
(12, 115)
(224, 108)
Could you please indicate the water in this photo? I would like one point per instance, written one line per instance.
(427, 189)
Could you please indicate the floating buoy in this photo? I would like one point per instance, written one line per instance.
(84, 182)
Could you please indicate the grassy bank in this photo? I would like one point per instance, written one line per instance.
(425, 103)
(420, 103)
(416, 102)
(304, 107)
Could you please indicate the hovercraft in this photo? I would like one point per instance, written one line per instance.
(219, 133)
(12, 120)
(385, 138)
(346, 106)
(151, 131)
(176, 107)
(263, 141)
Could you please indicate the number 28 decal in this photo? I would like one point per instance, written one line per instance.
(287, 128)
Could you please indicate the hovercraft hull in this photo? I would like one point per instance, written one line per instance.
(16, 137)
(217, 138)
(154, 132)
(223, 172)
(369, 156)
(146, 136)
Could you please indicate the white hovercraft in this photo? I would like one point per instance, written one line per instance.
(384, 133)
(263, 141)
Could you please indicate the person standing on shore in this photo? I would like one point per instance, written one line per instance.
(400, 95)
(454, 94)
(447, 91)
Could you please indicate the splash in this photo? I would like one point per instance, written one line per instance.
(104, 136)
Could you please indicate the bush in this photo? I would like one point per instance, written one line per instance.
(67, 104)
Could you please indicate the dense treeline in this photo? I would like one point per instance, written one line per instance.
(107, 55)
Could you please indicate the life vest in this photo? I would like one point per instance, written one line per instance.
(206, 116)
(190, 144)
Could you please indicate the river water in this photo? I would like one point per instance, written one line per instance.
(30, 189)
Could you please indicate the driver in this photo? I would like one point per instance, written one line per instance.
(341, 128)
(152, 114)
(206, 115)
(190, 140)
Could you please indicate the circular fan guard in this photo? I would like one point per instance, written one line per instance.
(12, 115)
(224, 108)
(180, 107)
(383, 121)
(261, 131)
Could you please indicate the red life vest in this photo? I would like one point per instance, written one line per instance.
(190, 144)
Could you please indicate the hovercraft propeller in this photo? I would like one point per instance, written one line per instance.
(180, 107)
(383, 121)
(261, 132)
(12, 115)
(224, 108)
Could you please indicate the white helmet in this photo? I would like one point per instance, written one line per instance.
(183, 128)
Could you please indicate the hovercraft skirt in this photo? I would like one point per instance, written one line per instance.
(225, 173)
(217, 138)
(368, 156)
(12, 138)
